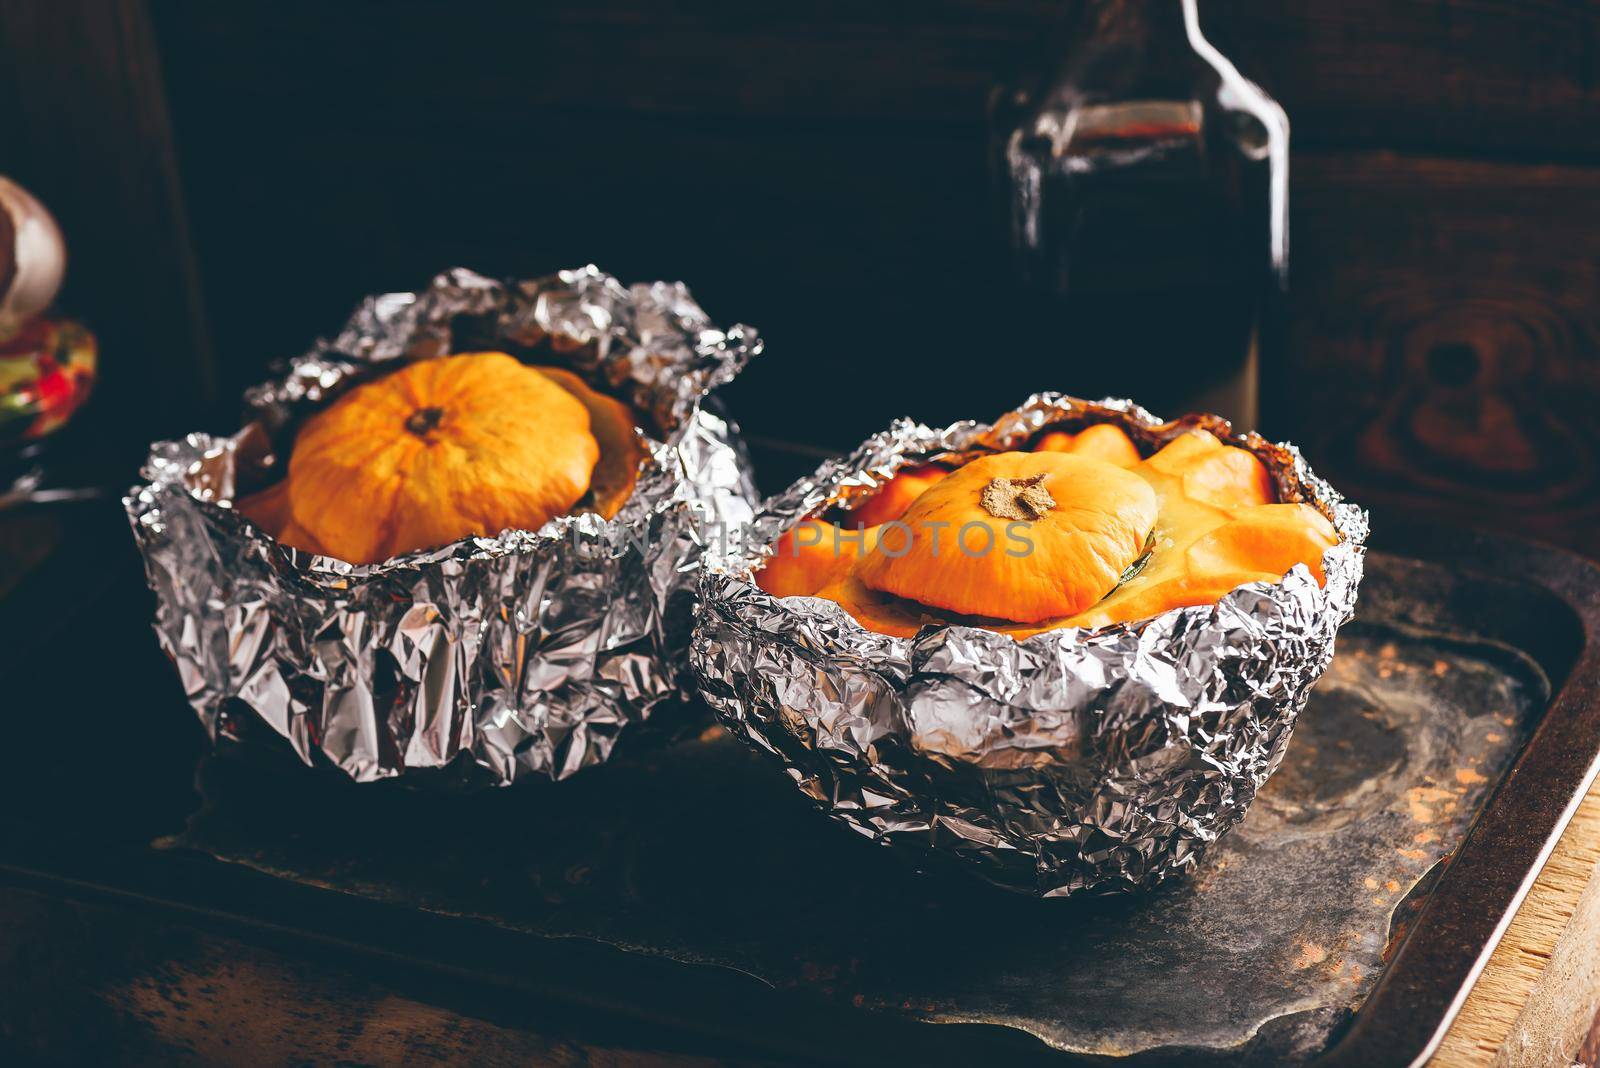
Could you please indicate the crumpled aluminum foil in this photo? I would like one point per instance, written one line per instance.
(1093, 761)
(525, 654)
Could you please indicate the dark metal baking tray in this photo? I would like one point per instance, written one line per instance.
(683, 888)
(1428, 778)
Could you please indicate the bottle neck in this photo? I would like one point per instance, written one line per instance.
(1149, 23)
(1134, 47)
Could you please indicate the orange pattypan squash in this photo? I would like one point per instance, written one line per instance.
(1206, 544)
(811, 556)
(1217, 474)
(269, 510)
(880, 612)
(1202, 563)
(1204, 509)
(1017, 536)
(1143, 600)
(899, 617)
(1103, 441)
(621, 449)
(439, 450)
(896, 496)
(1265, 537)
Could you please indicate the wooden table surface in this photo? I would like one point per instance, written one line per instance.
(1537, 1002)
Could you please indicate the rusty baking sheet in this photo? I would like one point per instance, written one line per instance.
(696, 852)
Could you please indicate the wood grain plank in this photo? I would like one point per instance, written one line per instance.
(85, 983)
(1445, 338)
(1536, 1000)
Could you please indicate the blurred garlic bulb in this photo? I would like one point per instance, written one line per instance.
(33, 257)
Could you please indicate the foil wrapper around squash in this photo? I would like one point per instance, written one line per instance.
(1074, 760)
(494, 658)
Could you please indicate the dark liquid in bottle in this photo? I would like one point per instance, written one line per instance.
(1141, 231)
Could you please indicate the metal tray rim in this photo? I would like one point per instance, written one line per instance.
(1408, 1014)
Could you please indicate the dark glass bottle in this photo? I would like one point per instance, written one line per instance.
(1147, 193)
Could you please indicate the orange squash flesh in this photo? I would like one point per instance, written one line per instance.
(1179, 591)
(811, 556)
(1102, 441)
(891, 502)
(1266, 537)
(621, 449)
(881, 612)
(1223, 475)
(269, 510)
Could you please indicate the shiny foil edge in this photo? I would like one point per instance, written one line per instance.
(1072, 761)
(490, 659)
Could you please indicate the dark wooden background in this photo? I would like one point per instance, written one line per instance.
(233, 176)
